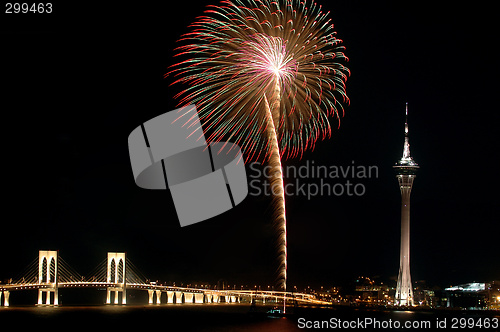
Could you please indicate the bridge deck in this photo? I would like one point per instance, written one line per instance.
(301, 297)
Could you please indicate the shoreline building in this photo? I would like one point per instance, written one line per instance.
(406, 169)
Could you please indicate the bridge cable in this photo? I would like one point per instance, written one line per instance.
(99, 273)
(29, 274)
(66, 273)
(133, 275)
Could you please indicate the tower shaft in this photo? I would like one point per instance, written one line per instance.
(404, 290)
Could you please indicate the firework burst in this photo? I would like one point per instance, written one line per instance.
(266, 75)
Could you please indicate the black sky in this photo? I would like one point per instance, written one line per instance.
(75, 84)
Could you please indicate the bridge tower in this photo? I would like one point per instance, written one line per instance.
(116, 274)
(47, 276)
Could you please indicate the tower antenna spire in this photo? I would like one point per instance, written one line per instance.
(406, 147)
(406, 120)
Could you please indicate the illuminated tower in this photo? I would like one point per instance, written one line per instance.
(405, 168)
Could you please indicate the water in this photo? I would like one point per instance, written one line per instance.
(231, 317)
(185, 317)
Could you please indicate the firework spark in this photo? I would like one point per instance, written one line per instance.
(267, 75)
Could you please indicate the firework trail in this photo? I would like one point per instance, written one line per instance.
(266, 75)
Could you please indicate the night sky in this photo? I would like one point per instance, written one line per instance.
(75, 83)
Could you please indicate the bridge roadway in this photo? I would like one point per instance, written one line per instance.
(182, 294)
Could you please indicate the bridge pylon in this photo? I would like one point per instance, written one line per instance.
(47, 276)
(6, 295)
(116, 274)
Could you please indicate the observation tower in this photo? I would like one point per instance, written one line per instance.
(406, 169)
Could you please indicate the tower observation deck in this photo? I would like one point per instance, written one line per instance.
(406, 169)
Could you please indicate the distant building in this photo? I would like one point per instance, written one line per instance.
(368, 292)
(494, 295)
(424, 295)
(472, 296)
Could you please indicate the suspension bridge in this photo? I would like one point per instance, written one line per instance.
(49, 272)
